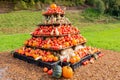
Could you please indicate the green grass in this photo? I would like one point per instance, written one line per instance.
(106, 38)
(16, 26)
(19, 22)
(11, 42)
(20, 19)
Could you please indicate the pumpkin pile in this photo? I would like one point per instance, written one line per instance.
(58, 71)
(57, 40)
(55, 31)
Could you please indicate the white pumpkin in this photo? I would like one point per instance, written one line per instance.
(78, 47)
(67, 53)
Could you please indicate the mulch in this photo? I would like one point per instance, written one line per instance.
(104, 68)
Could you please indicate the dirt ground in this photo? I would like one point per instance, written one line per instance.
(104, 68)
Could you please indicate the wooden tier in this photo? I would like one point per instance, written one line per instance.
(49, 14)
(53, 35)
(58, 31)
(52, 64)
(55, 49)
(36, 62)
(80, 63)
(54, 24)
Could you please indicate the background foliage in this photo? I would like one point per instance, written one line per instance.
(111, 7)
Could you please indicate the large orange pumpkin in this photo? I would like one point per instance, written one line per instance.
(67, 72)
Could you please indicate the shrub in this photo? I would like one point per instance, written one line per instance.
(20, 5)
(91, 14)
(97, 4)
(48, 1)
(31, 3)
(37, 5)
(100, 6)
(79, 2)
(112, 7)
(91, 2)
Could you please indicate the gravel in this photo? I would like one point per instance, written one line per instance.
(104, 68)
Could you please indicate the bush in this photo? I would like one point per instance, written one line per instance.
(20, 5)
(91, 14)
(112, 7)
(37, 1)
(79, 2)
(91, 2)
(37, 5)
(100, 6)
(97, 4)
(31, 4)
(48, 1)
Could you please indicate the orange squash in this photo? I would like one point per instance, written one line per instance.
(74, 41)
(66, 44)
(45, 69)
(55, 58)
(73, 60)
(67, 72)
(53, 6)
(77, 58)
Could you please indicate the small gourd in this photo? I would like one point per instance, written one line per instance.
(56, 31)
(95, 56)
(57, 71)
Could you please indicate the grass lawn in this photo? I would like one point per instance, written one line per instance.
(16, 26)
(106, 38)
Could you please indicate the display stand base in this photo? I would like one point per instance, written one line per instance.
(52, 64)
(36, 62)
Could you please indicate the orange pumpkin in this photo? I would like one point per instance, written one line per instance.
(77, 58)
(45, 69)
(53, 6)
(55, 58)
(74, 42)
(48, 46)
(67, 72)
(20, 51)
(66, 44)
(73, 60)
(44, 58)
(35, 56)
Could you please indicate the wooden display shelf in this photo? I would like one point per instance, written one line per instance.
(49, 14)
(80, 63)
(36, 62)
(57, 50)
(54, 35)
(53, 24)
(52, 64)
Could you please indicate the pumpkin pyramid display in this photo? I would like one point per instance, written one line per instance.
(56, 40)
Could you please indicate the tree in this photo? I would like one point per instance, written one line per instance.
(79, 2)
(112, 7)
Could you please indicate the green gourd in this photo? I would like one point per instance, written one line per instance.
(57, 71)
